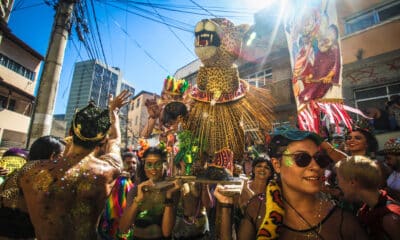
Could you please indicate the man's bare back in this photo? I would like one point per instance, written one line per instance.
(65, 198)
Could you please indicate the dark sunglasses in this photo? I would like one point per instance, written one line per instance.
(303, 159)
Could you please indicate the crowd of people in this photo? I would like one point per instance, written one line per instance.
(301, 187)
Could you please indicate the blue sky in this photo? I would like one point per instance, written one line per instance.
(121, 32)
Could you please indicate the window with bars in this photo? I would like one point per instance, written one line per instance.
(372, 17)
(16, 67)
(260, 79)
(376, 96)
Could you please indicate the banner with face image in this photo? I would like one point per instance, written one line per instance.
(314, 45)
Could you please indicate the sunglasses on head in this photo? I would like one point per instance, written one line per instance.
(303, 159)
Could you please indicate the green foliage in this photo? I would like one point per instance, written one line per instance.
(188, 145)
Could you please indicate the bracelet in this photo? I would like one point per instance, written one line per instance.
(168, 201)
(226, 205)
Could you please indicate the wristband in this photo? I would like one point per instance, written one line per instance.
(168, 202)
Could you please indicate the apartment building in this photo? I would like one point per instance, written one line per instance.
(92, 80)
(370, 34)
(19, 70)
(138, 116)
(124, 116)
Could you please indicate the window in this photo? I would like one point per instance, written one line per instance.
(372, 17)
(16, 67)
(376, 96)
(136, 120)
(3, 103)
(138, 103)
(260, 79)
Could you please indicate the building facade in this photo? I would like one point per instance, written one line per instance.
(92, 80)
(370, 32)
(19, 69)
(58, 126)
(370, 48)
(124, 116)
(138, 116)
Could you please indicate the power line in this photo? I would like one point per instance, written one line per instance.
(151, 13)
(151, 19)
(98, 33)
(170, 29)
(203, 8)
(139, 46)
(177, 6)
(19, 7)
(109, 35)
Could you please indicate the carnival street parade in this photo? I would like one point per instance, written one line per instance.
(211, 162)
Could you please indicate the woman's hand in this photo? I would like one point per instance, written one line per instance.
(176, 187)
(142, 188)
(221, 197)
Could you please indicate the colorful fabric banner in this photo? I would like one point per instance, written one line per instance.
(314, 45)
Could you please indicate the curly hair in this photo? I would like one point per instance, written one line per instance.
(90, 126)
(261, 160)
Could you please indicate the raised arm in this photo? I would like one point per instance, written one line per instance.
(114, 105)
(335, 154)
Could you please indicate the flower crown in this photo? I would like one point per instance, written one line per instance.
(362, 124)
(144, 145)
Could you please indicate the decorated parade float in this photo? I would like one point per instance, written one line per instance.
(207, 122)
(204, 124)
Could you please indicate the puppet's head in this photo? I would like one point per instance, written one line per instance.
(218, 42)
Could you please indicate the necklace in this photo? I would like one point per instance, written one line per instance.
(314, 231)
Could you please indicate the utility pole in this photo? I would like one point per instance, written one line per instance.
(43, 113)
(5, 10)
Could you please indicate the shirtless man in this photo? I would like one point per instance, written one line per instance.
(65, 197)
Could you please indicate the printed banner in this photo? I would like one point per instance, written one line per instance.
(314, 45)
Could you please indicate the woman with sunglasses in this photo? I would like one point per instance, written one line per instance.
(151, 212)
(294, 204)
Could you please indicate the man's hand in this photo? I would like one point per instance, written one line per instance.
(119, 101)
